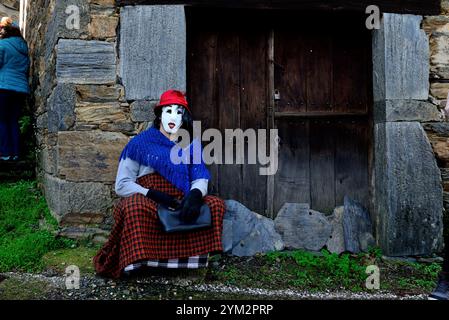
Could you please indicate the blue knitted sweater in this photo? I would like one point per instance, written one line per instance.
(152, 148)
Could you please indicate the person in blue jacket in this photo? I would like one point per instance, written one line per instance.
(14, 87)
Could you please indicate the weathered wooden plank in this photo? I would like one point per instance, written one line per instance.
(228, 102)
(201, 75)
(253, 114)
(351, 161)
(351, 42)
(319, 71)
(290, 67)
(428, 7)
(322, 167)
(319, 114)
(292, 181)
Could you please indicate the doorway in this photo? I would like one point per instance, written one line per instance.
(306, 73)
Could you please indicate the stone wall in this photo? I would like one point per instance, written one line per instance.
(437, 29)
(82, 118)
(10, 8)
(94, 87)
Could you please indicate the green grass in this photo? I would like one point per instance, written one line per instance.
(322, 272)
(22, 241)
(297, 269)
(81, 257)
(301, 270)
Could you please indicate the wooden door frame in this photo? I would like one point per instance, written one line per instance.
(418, 7)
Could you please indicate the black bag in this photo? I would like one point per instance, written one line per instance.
(171, 222)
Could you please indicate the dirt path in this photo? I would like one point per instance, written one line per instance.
(18, 286)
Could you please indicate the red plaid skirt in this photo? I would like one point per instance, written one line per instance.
(137, 233)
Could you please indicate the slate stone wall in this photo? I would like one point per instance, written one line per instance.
(94, 88)
(437, 29)
(82, 118)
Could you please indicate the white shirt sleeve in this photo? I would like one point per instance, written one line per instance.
(200, 184)
(125, 182)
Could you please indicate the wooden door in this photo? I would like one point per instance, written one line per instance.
(227, 87)
(319, 65)
(323, 78)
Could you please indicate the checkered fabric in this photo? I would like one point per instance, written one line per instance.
(137, 234)
(195, 262)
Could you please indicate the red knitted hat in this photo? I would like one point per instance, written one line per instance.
(173, 97)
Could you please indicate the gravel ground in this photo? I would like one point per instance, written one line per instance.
(53, 287)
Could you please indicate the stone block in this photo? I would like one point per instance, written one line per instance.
(302, 228)
(357, 227)
(406, 110)
(440, 90)
(336, 241)
(247, 233)
(401, 58)
(61, 106)
(142, 110)
(85, 62)
(98, 113)
(439, 47)
(67, 198)
(408, 198)
(99, 93)
(102, 27)
(152, 50)
(89, 155)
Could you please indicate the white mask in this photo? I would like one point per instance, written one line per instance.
(172, 118)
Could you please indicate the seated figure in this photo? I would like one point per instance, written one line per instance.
(146, 177)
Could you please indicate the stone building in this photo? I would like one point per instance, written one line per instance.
(10, 8)
(359, 111)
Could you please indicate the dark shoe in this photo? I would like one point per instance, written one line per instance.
(441, 292)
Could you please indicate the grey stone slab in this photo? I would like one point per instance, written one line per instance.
(408, 195)
(64, 197)
(152, 50)
(406, 110)
(251, 232)
(85, 62)
(336, 241)
(401, 58)
(142, 110)
(61, 108)
(226, 238)
(357, 227)
(302, 228)
(440, 128)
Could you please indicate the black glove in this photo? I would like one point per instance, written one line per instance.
(191, 206)
(163, 198)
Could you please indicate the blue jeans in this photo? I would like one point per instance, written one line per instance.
(11, 103)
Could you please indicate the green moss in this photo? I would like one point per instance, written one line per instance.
(81, 257)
